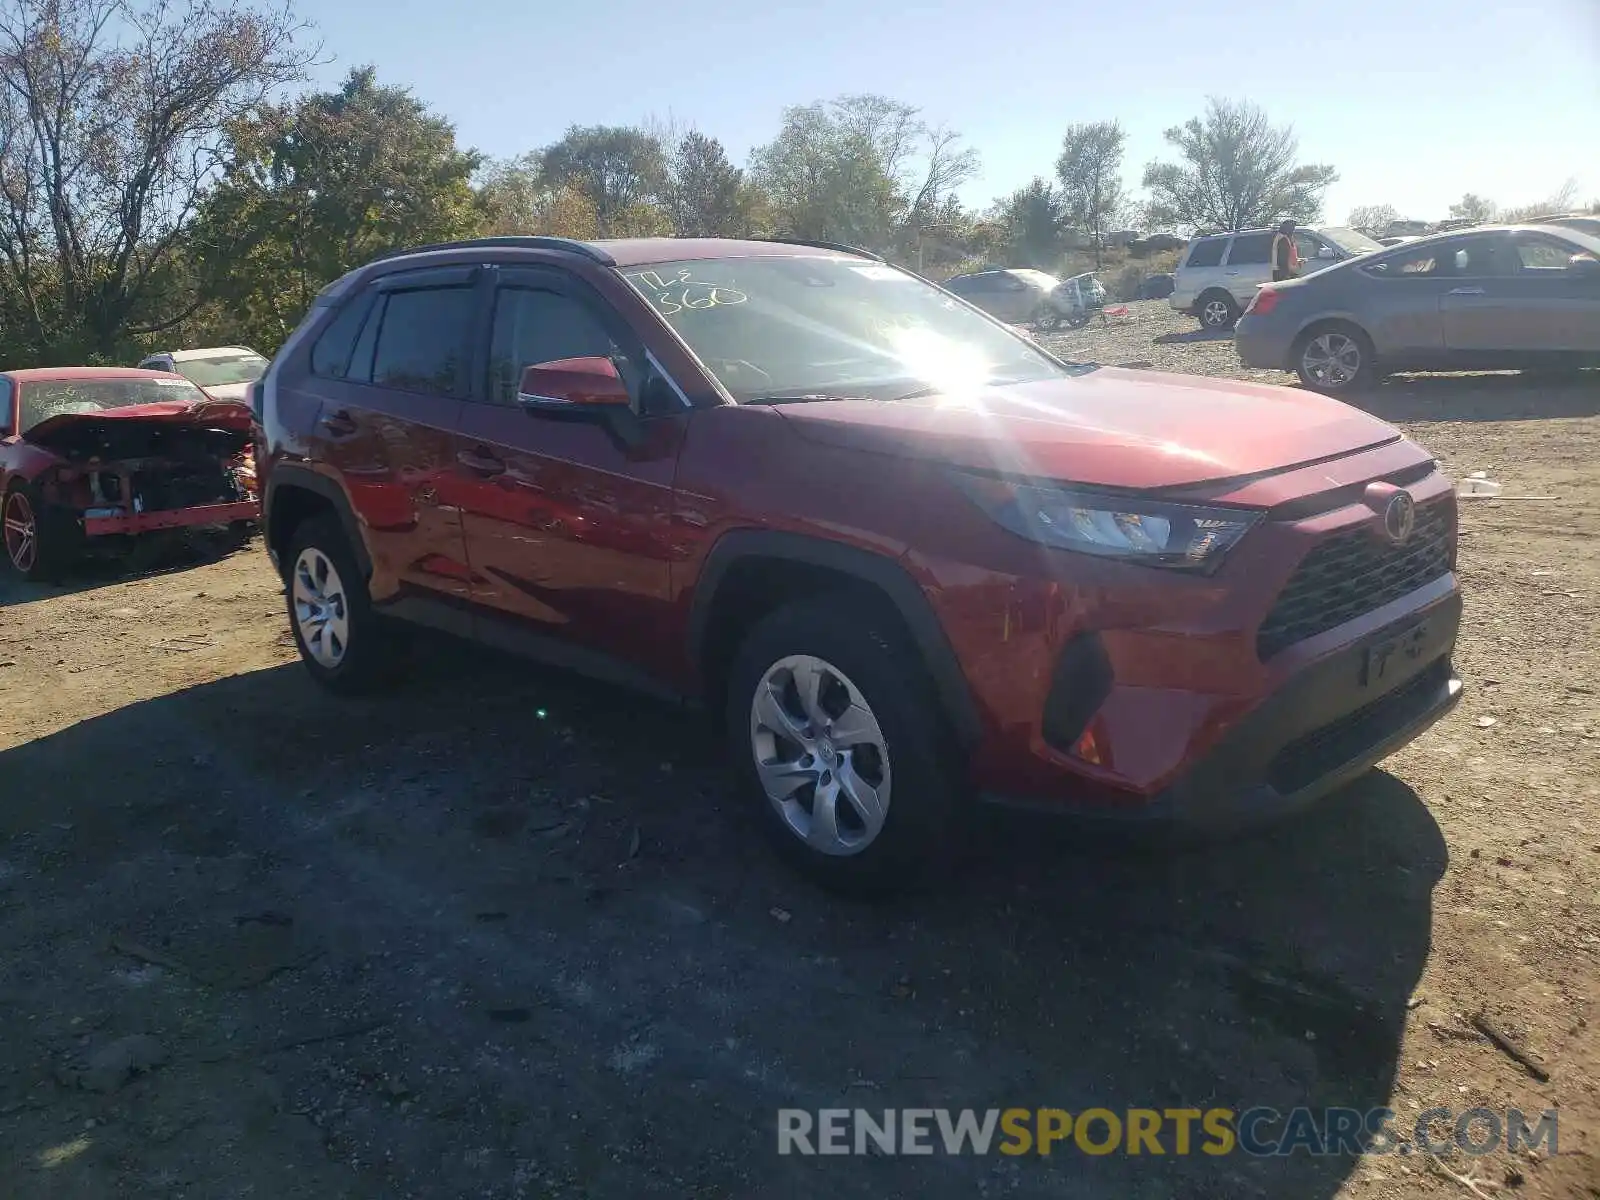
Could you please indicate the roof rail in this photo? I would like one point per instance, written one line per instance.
(511, 242)
(821, 245)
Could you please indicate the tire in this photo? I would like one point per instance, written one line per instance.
(900, 751)
(37, 543)
(1046, 318)
(1078, 319)
(341, 640)
(1217, 311)
(1336, 358)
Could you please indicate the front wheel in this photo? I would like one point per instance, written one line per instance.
(1078, 319)
(837, 737)
(1046, 318)
(1335, 359)
(34, 545)
(1218, 311)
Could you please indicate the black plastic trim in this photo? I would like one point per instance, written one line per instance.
(526, 242)
(1079, 686)
(292, 475)
(841, 247)
(888, 576)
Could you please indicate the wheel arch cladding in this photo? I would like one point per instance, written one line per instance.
(749, 573)
(296, 495)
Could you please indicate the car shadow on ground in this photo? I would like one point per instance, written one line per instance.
(1499, 396)
(535, 830)
(1199, 334)
(90, 573)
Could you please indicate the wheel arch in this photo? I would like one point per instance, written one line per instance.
(773, 567)
(294, 495)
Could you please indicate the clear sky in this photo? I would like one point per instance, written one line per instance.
(1414, 101)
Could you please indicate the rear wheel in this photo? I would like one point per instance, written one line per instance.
(1047, 318)
(341, 640)
(1335, 358)
(1218, 310)
(837, 737)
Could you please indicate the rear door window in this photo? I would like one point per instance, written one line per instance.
(1207, 253)
(1250, 249)
(421, 342)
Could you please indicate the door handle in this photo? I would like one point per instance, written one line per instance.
(481, 461)
(1466, 291)
(340, 424)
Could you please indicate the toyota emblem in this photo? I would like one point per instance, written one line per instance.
(1400, 518)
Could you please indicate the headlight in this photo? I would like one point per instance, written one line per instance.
(1186, 536)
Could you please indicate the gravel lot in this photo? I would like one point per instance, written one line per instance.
(502, 934)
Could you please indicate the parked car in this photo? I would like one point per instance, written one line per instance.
(1588, 223)
(1397, 240)
(1220, 272)
(906, 554)
(1155, 287)
(1484, 299)
(92, 457)
(1020, 296)
(223, 372)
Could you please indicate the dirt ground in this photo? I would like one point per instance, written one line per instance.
(503, 934)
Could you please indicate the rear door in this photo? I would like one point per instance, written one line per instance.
(1202, 268)
(1248, 265)
(1401, 297)
(1478, 312)
(390, 403)
(567, 521)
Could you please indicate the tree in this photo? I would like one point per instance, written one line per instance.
(1029, 222)
(1238, 171)
(1373, 219)
(1090, 170)
(516, 198)
(1473, 208)
(322, 185)
(621, 170)
(706, 194)
(1564, 199)
(109, 111)
(862, 168)
(825, 179)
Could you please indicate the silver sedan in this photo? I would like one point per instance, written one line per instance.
(1490, 298)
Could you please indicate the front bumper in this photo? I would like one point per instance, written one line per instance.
(174, 518)
(1324, 727)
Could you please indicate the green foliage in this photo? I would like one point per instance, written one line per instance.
(1237, 171)
(1090, 171)
(622, 171)
(1031, 226)
(322, 185)
(1473, 208)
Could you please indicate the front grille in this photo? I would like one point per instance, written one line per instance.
(1309, 757)
(1353, 573)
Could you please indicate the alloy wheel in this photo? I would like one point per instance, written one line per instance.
(1215, 314)
(1331, 359)
(320, 610)
(21, 532)
(820, 754)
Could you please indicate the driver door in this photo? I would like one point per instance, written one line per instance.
(567, 521)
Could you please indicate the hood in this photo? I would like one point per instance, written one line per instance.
(229, 391)
(1109, 427)
(69, 430)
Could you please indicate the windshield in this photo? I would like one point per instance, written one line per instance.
(777, 326)
(223, 369)
(57, 397)
(1350, 241)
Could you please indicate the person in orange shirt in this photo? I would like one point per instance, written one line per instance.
(1285, 256)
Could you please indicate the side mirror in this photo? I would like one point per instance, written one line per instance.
(1583, 267)
(572, 385)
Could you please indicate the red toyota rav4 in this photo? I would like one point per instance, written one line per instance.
(910, 556)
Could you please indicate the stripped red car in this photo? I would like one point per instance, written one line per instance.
(95, 457)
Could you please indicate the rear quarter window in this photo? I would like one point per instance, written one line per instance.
(1206, 254)
(330, 355)
(1251, 248)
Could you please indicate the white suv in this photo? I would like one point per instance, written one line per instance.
(1220, 272)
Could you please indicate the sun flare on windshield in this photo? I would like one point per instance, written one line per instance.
(958, 369)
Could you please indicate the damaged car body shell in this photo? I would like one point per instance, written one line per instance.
(94, 453)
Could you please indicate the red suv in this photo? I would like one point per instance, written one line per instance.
(907, 554)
